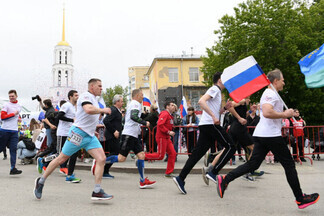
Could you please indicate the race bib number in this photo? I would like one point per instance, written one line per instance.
(75, 138)
(40, 139)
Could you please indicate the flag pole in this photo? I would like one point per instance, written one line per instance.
(273, 88)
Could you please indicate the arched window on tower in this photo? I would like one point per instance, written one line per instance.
(59, 78)
(60, 57)
(67, 78)
(65, 57)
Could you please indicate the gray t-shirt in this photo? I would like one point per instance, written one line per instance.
(131, 127)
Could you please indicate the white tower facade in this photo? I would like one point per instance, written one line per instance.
(62, 70)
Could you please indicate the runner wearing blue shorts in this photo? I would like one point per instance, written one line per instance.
(82, 135)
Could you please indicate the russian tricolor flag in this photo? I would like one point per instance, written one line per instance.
(183, 107)
(101, 103)
(57, 108)
(244, 78)
(146, 102)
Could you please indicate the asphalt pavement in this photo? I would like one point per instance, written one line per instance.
(269, 195)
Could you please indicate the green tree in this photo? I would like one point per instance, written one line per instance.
(278, 33)
(112, 91)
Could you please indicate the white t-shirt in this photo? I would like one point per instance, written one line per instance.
(269, 127)
(64, 126)
(83, 120)
(10, 123)
(214, 105)
(131, 127)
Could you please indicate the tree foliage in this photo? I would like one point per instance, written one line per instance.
(278, 33)
(111, 92)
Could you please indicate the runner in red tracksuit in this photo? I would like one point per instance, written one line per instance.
(163, 139)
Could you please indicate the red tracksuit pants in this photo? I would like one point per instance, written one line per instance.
(164, 146)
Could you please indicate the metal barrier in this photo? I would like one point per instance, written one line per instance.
(313, 133)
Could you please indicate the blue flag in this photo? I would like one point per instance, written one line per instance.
(312, 66)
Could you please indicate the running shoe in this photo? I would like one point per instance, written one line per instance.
(221, 186)
(15, 171)
(101, 195)
(147, 183)
(170, 175)
(39, 165)
(107, 176)
(180, 184)
(241, 159)
(308, 200)
(204, 171)
(133, 156)
(38, 190)
(248, 177)
(210, 175)
(64, 171)
(257, 173)
(72, 179)
(93, 167)
(206, 159)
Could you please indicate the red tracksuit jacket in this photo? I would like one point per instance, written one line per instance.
(164, 124)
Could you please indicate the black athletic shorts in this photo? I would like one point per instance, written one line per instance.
(240, 134)
(130, 143)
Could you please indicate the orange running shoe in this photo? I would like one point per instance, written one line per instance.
(64, 171)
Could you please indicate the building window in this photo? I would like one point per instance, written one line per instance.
(132, 83)
(146, 78)
(193, 74)
(59, 78)
(67, 78)
(173, 75)
(65, 57)
(194, 96)
(60, 57)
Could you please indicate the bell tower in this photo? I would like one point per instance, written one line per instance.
(62, 69)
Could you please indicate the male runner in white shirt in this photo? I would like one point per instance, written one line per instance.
(268, 137)
(82, 135)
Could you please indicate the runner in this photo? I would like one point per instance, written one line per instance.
(66, 118)
(129, 140)
(82, 135)
(9, 129)
(240, 135)
(210, 131)
(267, 137)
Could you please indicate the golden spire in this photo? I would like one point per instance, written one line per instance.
(63, 42)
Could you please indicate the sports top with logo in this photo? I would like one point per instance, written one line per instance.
(64, 126)
(83, 120)
(214, 104)
(131, 127)
(10, 123)
(269, 127)
(165, 124)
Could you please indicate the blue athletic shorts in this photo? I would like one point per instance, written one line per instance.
(78, 139)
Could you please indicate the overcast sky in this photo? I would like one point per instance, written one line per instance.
(106, 37)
